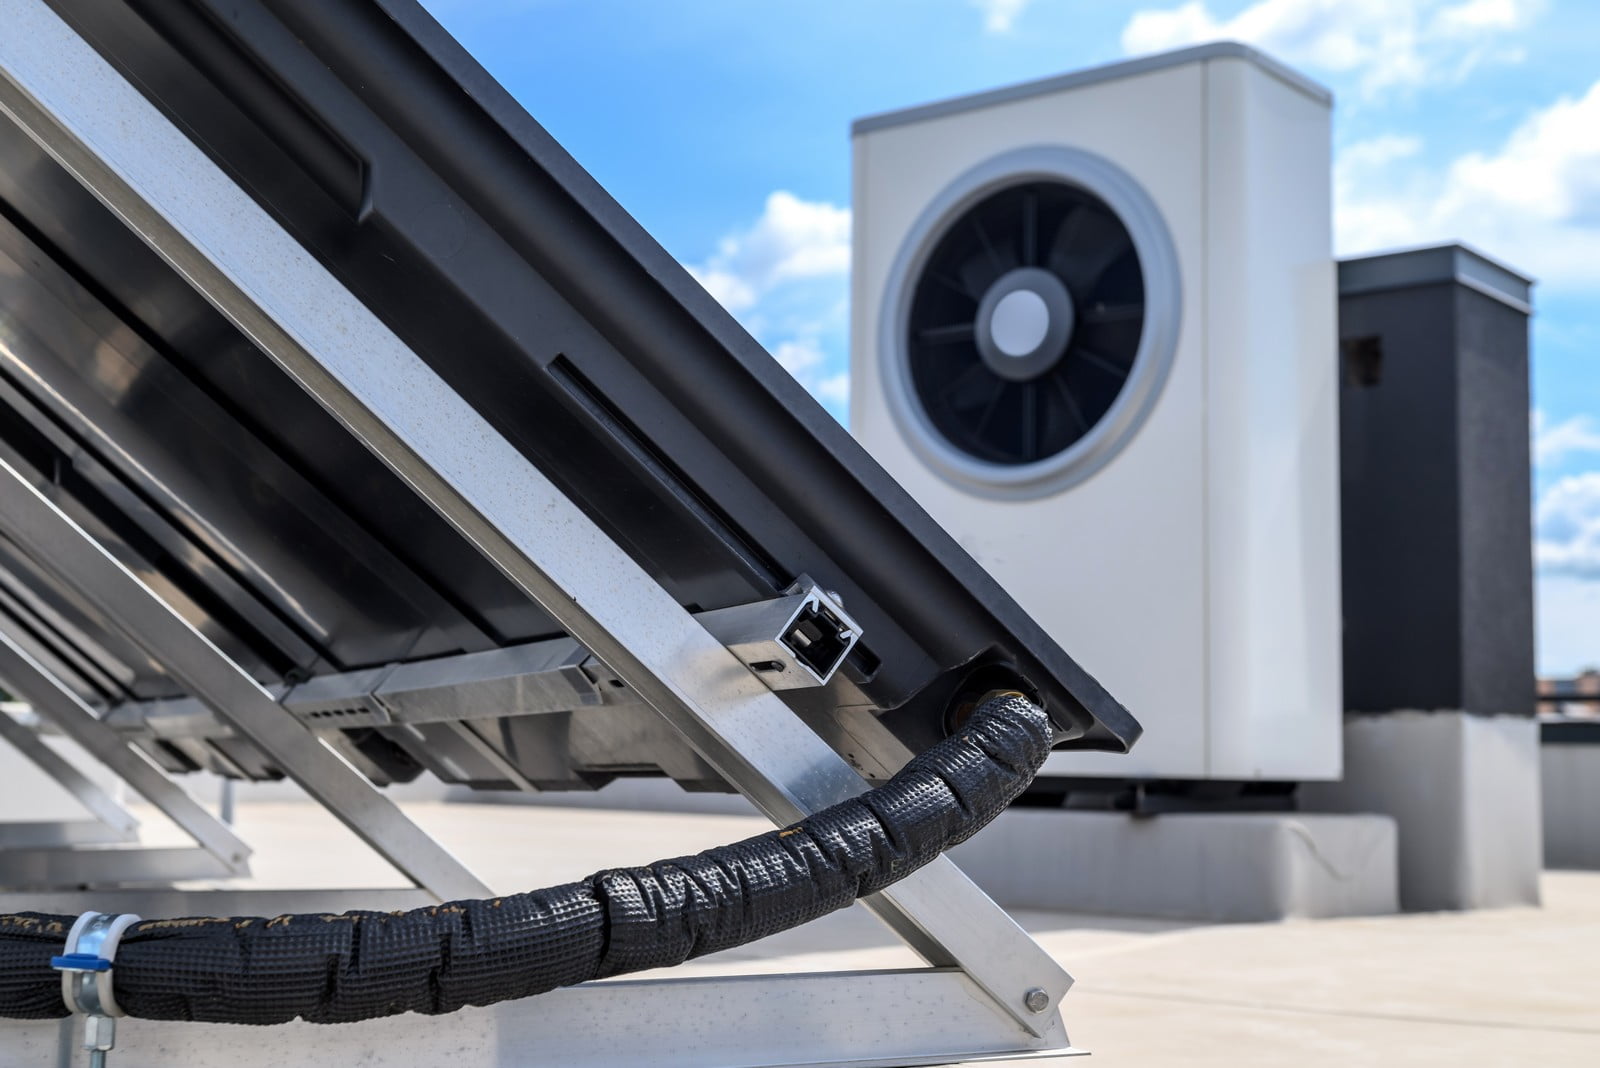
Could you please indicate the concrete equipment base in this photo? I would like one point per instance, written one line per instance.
(1464, 793)
(1569, 766)
(1231, 867)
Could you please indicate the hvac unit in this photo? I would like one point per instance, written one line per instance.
(1094, 335)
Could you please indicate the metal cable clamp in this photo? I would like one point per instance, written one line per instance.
(86, 978)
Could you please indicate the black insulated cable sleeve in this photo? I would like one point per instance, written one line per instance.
(361, 965)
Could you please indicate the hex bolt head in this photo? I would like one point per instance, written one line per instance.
(99, 1033)
(1036, 1000)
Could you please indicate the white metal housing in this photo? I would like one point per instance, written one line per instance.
(1186, 549)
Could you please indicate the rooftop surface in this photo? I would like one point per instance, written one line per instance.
(1508, 987)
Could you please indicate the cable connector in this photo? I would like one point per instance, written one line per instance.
(86, 966)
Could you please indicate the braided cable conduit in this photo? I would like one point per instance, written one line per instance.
(362, 965)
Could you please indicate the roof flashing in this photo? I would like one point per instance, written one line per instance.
(1451, 261)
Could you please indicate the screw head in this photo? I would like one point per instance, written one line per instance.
(1036, 1000)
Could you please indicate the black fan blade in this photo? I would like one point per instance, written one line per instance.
(1002, 387)
(1030, 421)
(988, 246)
(965, 390)
(1111, 261)
(1100, 363)
(1096, 244)
(1060, 251)
(1100, 313)
(1030, 228)
(954, 285)
(982, 269)
(945, 335)
(1071, 406)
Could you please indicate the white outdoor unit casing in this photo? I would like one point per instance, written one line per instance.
(1185, 547)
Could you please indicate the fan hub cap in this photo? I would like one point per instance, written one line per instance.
(1024, 323)
(1019, 323)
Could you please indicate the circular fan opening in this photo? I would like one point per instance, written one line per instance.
(1025, 322)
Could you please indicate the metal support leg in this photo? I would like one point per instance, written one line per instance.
(111, 823)
(221, 852)
(52, 540)
(102, 130)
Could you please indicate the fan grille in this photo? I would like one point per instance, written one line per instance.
(986, 403)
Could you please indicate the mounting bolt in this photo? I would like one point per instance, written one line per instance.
(1036, 1000)
(99, 1036)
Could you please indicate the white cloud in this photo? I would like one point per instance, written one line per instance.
(1568, 624)
(1373, 208)
(793, 239)
(1545, 171)
(1386, 43)
(1480, 16)
(1567, 527)
(1000, 15)
(1534, 201)
(785, 277)
(1566, 530)
(1365, 156)
(804, 360)
(1554, 442)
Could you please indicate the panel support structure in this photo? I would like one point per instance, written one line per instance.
(218, 852)
(111, 822)
(102, 130)
(52, 540)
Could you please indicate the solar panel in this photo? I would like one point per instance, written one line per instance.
(151, 419)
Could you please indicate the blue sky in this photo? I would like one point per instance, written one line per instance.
(722, 125)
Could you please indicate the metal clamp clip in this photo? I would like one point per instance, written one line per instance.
(86, 978)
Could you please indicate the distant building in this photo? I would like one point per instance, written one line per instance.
(1579, 696)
